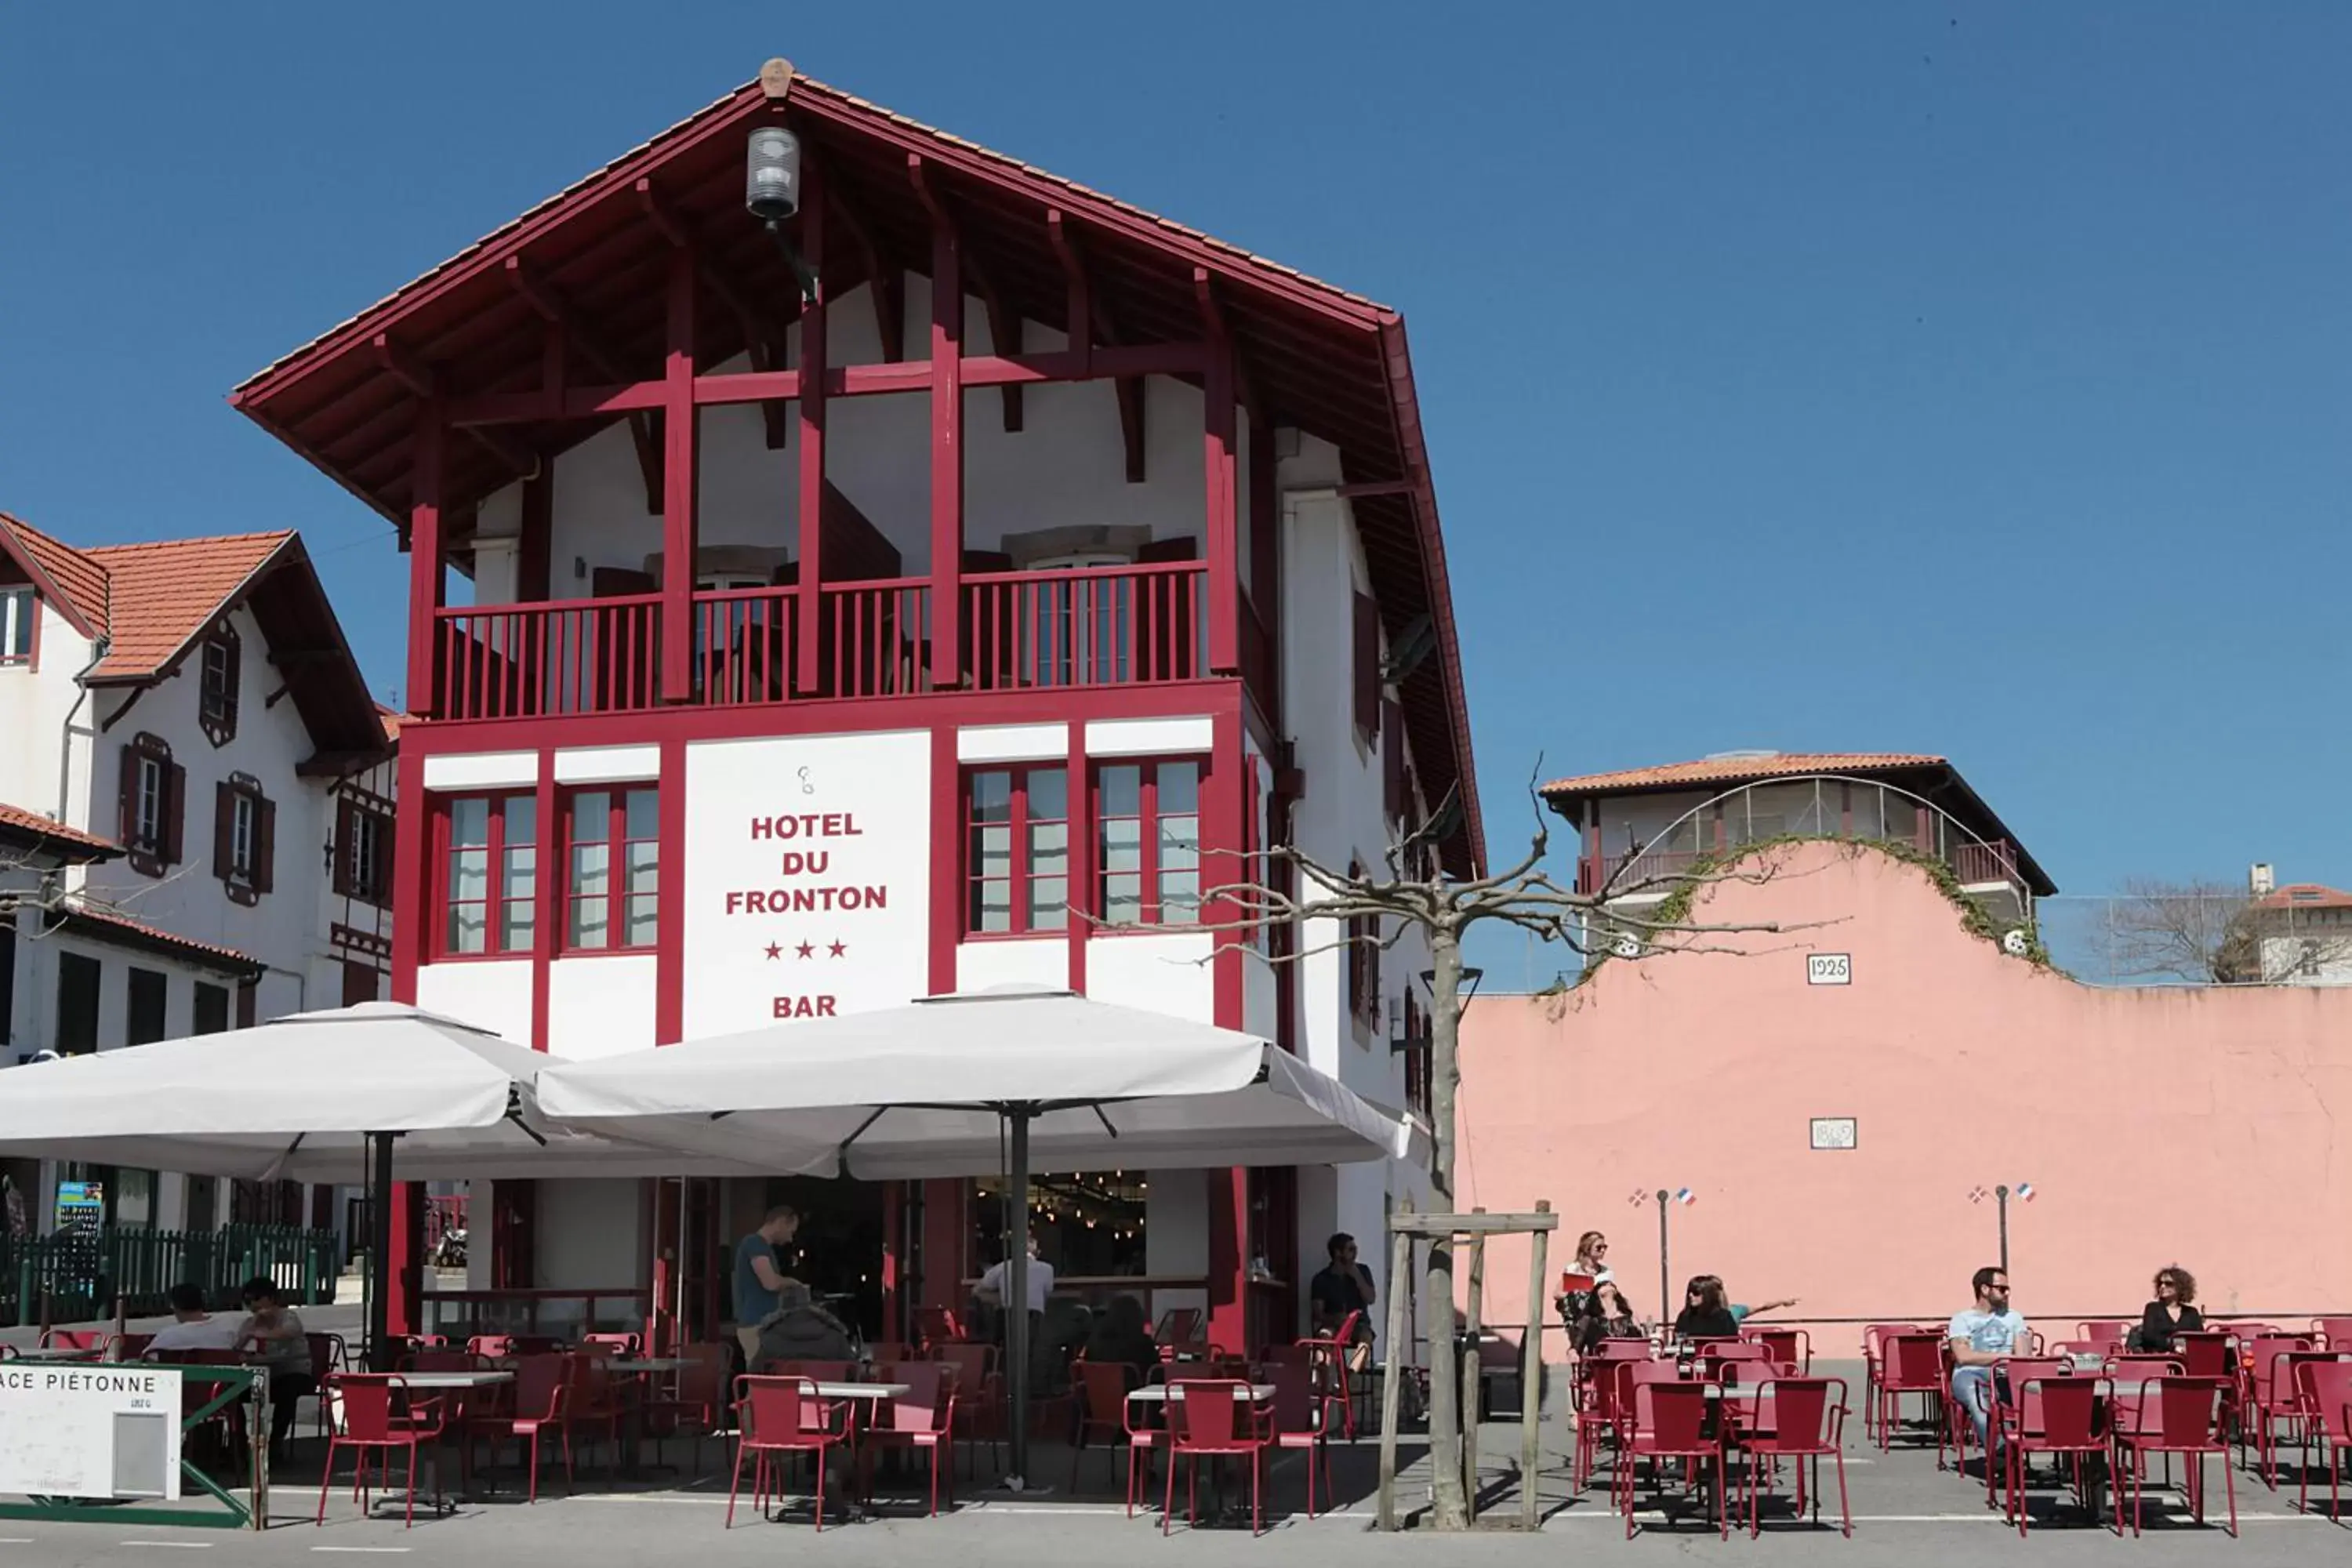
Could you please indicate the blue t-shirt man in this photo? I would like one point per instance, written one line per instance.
(1989, 1333)
(757, 1279)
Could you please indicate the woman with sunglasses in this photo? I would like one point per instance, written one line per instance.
(2174, 1310)
(1593, 1262)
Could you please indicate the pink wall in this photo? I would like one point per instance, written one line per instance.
(2155, 1125)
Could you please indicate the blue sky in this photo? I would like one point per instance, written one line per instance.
(1964, 378)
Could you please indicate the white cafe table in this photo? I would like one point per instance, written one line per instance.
(1157, 1393)
(489, 1378)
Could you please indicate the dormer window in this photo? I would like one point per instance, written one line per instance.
(20, 610)
(217, 700)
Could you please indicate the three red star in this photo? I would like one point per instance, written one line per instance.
(837, 949)
(774, 951)
(806, 950)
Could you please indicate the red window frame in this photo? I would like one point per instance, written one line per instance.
(1020, 825)
(1363, 966)
(1154, 905)
(495, 900)
(616, 843)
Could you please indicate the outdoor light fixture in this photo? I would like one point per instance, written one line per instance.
(771, 191)
(1468, 988)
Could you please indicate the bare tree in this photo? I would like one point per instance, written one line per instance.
(1414, 893)
(2212, 934)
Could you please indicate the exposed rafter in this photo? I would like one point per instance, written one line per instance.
(763, 336)
(1089, 317)
(421, 379)
(579, 341)
(884, 281)
(1004, 326)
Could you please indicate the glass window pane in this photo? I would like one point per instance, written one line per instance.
(522, 820)
(992, 851)
(1049, 849)
(589, 926)
(643, 921)
(517, 927)
(643, 868)
(591, 817)
(470, 821)
(469, 874)
(1122, 845)
(1180, 897)
(992, 906)
(1049, 901)
(991, 797)
(589, 864)
(1049, 794)
(1123, 900)
(1180, 842)
(1180, 788)
(1122, 791)
(641, 811)
(522, 873)
(470, 928)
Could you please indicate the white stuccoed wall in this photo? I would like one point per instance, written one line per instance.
(36, 702)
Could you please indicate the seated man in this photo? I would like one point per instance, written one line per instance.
(1988, 1333)
(801, 1330)
(191, 1328)
(1344, 1289)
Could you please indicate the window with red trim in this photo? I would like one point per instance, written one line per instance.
(1364, 965)
(1147, 842)
(489, 876)
(612, 868)
(1017, 849)
(20, 616)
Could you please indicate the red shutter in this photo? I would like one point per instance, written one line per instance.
(380, 882)
(128, 829)
(265, 844)
(224, 830)
(1368, 666)
(175, 803)
(247, 993)
(342, 854)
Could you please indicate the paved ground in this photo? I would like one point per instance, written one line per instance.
(1906, 1510)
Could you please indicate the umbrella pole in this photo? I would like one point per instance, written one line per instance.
(1016, 1292)
(380, 1356)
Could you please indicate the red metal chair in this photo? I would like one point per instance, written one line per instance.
(2110, 1333)
(128, 1347)
(979, 1402)
(496, 1346)
(2268, 1394)
(1103, 1414)
(2332, 1333)
(922, 1417)
(778, 1416)
(936, 1326)
(1211, 1418)
(696, 1399)
(1786, 1347)
(1911, 1363)
(2326, 1389)
(2190, 1416)
(379, 1414)
(2208, 1353)
(541, 1382)
(2059, 1415)
(1795, 1418)
(592, 1403)
(1607, 1409)
(623, 1346)
(1716, 1356)
(1179, 1325)
(1670, 1421)
(1300, 1418)
(75, 1339)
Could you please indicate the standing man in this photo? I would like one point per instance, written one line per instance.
(759, 1280)
(1983, 1337)
(994, 1285)
(1344, 1286)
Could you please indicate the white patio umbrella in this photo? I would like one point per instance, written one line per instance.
(376, 1092)
(972, 1083)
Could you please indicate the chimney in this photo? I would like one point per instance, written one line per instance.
(2259, 880)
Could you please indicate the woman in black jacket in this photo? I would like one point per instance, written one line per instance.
(2174, 1310)
(1607, 1316)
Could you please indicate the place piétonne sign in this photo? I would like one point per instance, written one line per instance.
(808, 878)
(59, 1425)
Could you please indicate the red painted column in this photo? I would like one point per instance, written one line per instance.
(1224, 545)
(669, 935)
(1082, 837)
(425, 575)
(1221, 836)
(1228, 1259)
(678, 485)
(547, 898)
(812, 412)
(947, 454)
(412, 910)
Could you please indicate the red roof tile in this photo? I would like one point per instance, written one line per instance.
(2306, 896)
(165, 593)
(105, 923)
(79, 581)
(1739, 769)
(19, 822)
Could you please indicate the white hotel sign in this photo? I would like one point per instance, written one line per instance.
(88, 1431)
(808, 878)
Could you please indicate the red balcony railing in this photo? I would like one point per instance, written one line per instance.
(1094, 626)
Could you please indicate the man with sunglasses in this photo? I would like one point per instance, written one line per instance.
(1988, 1333)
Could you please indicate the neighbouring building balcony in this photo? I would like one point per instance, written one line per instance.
(1985, 869)
(1080, 627)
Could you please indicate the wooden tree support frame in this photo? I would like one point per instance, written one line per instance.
(1405, 1227)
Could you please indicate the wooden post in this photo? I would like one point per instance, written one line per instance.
(946, 440)
(1531, 1375)
(1392, 1375)
(1473, 1383)
(810, 597)
(424, 572)
(679, 539)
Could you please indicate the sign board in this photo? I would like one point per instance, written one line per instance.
(81, 1206)
(1829, 969)
(1834, 1132)
(808, 866)
(90, 1430)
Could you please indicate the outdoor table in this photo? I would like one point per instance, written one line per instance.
(639, 1365)
(59, 1353)
(446, 1380)
(1157, 1393)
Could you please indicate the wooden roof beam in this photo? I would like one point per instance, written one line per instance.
(1087, 316)
(886, 283)
(1006, 328)
(553, 308)
(763, 336)
(1221, 337)
(425, 381)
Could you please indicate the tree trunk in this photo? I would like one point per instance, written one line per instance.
(1449, 1507)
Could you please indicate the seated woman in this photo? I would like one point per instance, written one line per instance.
(2174, 1312)
(1707, 1315)
(1121, 1335)
(1607, 1316)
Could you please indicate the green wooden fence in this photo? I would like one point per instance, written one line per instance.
(76, 1276)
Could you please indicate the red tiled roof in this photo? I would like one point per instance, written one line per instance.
(1739, 770)
(392, 722)
(104, 924)
(2306, 896)
(79, 581)
(20, 822)
(165, 593)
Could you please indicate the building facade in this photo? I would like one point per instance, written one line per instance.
(204, 791)
(952, 586)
